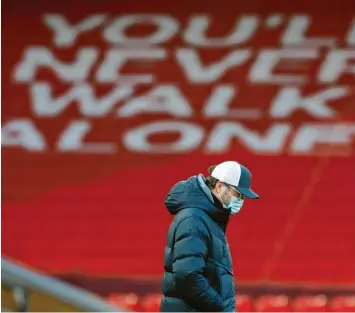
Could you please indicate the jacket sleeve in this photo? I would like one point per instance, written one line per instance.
(190, 250)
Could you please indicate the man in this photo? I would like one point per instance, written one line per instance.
(198, 267)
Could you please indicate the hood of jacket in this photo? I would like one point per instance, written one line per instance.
(194, 193)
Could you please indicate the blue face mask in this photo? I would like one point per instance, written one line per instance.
(234, 205)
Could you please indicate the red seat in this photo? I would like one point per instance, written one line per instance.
(342, 304)
(126, 300)
(151, 303)
(310, 304)
(273, 303)
(244, 303)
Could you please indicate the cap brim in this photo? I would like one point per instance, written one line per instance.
(248, 193)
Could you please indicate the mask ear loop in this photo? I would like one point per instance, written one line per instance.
(220, 198)
(229, 194)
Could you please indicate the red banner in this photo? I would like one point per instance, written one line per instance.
(104, 108)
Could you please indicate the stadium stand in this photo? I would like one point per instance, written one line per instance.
(88, 161)
(245, 303)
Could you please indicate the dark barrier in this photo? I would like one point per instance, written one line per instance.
(23, 290)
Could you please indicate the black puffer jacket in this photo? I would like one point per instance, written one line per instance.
(198, 267)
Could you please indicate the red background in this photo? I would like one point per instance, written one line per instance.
(104, 215)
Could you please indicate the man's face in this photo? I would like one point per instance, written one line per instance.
(226, 192)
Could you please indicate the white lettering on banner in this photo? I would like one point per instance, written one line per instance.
(350, 37)
(261, 71)
(290, 99)
(196, 72)
(162, 99)
(295, 34)
(72, 140)
(313, 134)
(220, 100)
(231, 79)
(190, 137)
(336, 64)
(65, 34)
(109, 70)
(195, 33)
(22, 133)
(45, 105)
(166, 27)
(222, 136)
(38, 57)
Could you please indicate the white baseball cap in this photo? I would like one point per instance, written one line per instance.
(237, 175)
